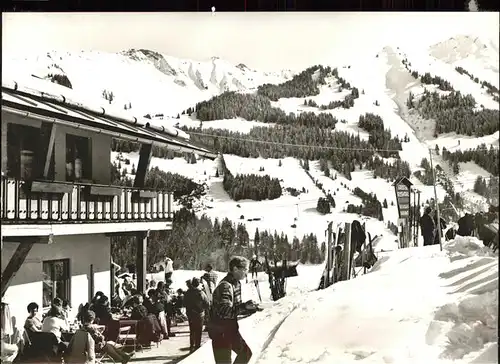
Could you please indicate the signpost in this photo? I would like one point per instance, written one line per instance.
(402, 187)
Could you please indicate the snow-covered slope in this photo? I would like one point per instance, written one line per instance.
(417, 305)
(146, 82)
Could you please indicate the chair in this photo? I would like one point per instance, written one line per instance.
(149, 330)
(125, 337)
(44, 346)
(101, 355)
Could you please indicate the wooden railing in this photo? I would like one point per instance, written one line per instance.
(60, 202)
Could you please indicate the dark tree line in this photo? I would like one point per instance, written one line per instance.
(195, 241)
(428, 79)
(174, 182)
(371, 205)
(425, 176)
(388, 170)
(230, 105)
(487, 187)
(125, 146)
(251, 186)
(346, 103)
(490, 89)
(192, 243)
(455, 113)
(380, 138)
(483, 156)
(277, 246)
(60, 79)
(301, 85)
(323, 205)
(309, 143)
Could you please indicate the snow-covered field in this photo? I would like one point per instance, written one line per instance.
(417, 305)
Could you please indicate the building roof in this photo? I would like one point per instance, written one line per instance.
(404, 181)
(68, 109)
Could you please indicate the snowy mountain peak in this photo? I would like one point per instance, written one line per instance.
(146, 81)
(459, 47)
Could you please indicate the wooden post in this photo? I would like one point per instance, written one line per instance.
(91, 283)
(145, 154)
(401, 234)
(331, 273)
(409, 225)
(329, 256)
(15, 262)
(141, 260)
(347, 252)
(437, 202)
(414, 218)
(112, 278)
(418, 215)
(50, 150)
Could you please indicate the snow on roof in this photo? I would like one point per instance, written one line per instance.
(40, 97)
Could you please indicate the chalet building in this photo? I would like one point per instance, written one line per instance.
(58, 207)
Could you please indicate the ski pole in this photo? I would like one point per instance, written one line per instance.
(256, 282)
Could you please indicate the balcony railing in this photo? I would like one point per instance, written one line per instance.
(60, 202)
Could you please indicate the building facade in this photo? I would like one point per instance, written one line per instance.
(59, 208)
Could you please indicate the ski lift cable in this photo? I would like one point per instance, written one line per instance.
(317, 146)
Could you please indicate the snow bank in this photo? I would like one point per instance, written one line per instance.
(468, 325)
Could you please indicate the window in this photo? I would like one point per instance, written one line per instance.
(56, 281)
(78, 158)
(23, 149)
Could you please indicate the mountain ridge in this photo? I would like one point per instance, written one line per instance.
(156, 84)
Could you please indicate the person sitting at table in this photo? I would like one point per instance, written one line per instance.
(55, 324)
(148, 300)
(81, 349)
(102, 310)
(126, 302)
(158, 309)
(33, 323)
(138, 309)
(108, 347)
(116, 298)
(128, 284)
(57, 302)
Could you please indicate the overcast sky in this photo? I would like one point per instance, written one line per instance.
(267, 41)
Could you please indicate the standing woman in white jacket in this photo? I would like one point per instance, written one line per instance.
(169, 268)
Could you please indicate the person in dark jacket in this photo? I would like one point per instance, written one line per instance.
(254, 266)
(138, 310)
(223, 326)
(102, 310)
(196, 303)
(466, 225)
(442, 225)
(428, 227)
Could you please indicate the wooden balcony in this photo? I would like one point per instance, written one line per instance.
(48, 202)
